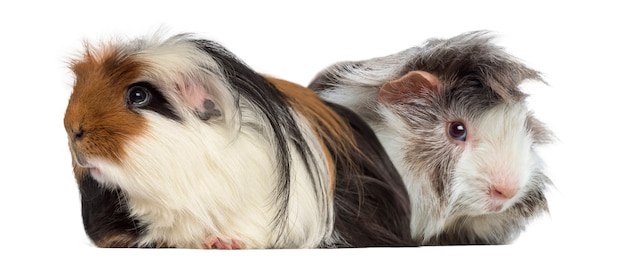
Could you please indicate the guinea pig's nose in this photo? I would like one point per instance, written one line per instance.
(78, 134)
(502, 192)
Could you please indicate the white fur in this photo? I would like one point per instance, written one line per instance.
(392, 133)
(212, 187)
(497, 149)
(499, 153)
(187, 75)
(311, 216)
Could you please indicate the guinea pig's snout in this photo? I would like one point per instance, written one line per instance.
(77, 134)
(499, 195)
(497, 191)
(80, 159)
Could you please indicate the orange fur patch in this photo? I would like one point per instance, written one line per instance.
(97, 106)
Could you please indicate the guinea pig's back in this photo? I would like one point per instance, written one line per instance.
(374, 200)
(371, 203)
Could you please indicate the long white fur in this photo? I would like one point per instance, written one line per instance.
(194, 180)
(500, 139)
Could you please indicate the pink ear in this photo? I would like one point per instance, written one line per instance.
(411, 84)
(198, 98)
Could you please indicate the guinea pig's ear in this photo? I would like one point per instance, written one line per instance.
(411, 84)
(196, 96)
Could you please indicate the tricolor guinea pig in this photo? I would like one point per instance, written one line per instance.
(176, 142)
(453, 119)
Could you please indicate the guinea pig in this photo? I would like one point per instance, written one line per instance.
(176, 142)
(453, 118)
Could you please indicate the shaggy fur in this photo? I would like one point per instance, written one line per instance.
(480, 189)
(177, 143)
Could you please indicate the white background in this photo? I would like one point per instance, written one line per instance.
(579, 46)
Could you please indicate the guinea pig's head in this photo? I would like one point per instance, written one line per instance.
(133, 103)
(465, 144)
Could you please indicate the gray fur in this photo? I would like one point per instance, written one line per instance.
(476, 75)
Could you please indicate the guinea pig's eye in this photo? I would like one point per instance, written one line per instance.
(138, 96)
(457, 131)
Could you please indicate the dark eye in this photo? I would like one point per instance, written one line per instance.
(138, 96)
(457, 131)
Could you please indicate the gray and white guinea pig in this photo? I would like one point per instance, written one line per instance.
(175, 142)
(453, 119)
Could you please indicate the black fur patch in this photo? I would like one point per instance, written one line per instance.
(158, 103)
(372, 209)
(105, 213)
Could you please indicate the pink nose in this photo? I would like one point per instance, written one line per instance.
(502, 192)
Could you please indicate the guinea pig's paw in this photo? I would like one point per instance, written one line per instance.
(218, 243)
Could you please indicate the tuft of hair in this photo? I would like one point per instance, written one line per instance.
(471, 56)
